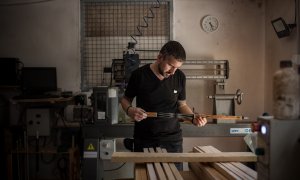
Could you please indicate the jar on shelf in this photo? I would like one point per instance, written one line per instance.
(286, 92)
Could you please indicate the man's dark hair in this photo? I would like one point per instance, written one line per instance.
(173, 48)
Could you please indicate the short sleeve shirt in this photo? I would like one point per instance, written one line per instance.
(154, 95)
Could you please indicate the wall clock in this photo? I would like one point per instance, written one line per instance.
(209, 23)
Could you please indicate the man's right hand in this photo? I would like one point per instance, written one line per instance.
(137, 113)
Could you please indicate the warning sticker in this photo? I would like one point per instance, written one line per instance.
(91, 147)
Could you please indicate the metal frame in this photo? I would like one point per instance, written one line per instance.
(100, 130)
(99, 77)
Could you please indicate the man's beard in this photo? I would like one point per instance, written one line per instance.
(161, 72)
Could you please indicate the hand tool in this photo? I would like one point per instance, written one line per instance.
(191, 116)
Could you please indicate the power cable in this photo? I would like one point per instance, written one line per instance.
(115, 168)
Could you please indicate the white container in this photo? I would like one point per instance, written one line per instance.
(286, 92)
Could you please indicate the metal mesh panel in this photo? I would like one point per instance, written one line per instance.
(107, 27)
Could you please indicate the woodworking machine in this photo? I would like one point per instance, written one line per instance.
(278, 149)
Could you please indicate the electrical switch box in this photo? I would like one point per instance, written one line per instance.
(38, 121)
(107, 147)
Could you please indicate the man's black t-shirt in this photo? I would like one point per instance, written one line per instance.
(154, 95)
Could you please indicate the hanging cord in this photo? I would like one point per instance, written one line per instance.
(145, 18)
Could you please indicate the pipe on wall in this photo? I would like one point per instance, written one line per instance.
(297, 27)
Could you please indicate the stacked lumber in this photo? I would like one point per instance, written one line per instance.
(220, 170)
(156, 170)
(205, 162)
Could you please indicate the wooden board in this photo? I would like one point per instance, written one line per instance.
(204, 171)
(232, 170)
(219, 166)
(166, 167)
(158, 169)
(150, 169)
(139, 157)
(188, 175)
(140, 171)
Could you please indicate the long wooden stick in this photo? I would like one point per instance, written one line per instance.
(139, 157)
(178, 115)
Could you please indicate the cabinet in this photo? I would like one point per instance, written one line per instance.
(39, 151)
(20, 163)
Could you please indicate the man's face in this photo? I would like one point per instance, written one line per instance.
(167, 65)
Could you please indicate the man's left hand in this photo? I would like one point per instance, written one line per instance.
(199, 121)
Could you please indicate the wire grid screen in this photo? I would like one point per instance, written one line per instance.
(109, 26)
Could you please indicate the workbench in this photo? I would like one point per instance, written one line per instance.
(94, 133)
(205, 162)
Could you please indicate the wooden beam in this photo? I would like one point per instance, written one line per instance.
(139, 157)
(174, 168)
(204, 171)
(219, 166)
(230, 170)
(166, 167)
(150, 169)
(158, 169)
(140, 171)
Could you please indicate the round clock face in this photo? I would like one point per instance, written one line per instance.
(209, 23)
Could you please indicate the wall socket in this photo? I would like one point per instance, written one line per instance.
(38, 121)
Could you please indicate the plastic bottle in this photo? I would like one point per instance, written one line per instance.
(286, 92)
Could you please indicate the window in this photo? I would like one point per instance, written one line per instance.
(108, 27)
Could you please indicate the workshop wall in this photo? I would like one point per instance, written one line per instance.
(278, 49)
(44, 34)
(239, 39)
(48, 34)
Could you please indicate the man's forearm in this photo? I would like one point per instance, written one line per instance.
(125, 103)
(184, 108)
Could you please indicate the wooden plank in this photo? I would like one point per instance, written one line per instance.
(9, 170)
(226, 171)
(229, 166)
(174, 168)
(150, 169)
(158, 169)
(140, 171)
(240, 166)
(188, 175)
(198, 171)
(246, 169)
(166, 167)
(222, 168)
(139, 157)
(218, 166)
(210, 171)
(204, 171)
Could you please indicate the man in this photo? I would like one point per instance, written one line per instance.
(159, 87)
